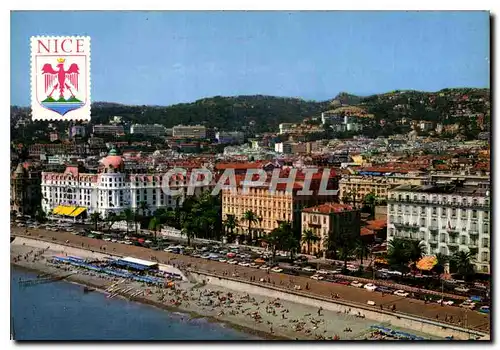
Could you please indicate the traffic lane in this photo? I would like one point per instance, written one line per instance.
(318, 288)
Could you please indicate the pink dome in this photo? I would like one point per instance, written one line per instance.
(114, 161)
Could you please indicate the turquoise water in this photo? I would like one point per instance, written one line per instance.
(61, 311)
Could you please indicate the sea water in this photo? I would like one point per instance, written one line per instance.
(61, 311)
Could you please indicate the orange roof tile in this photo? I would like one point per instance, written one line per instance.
(328, 208)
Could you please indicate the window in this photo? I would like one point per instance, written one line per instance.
(422, 222)
(486, 228)
(434, 211)
(486, 243)
(422, 210)
(484, 256)
(453, 212)
(474, 214)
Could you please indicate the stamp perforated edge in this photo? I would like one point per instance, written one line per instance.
(86, 112)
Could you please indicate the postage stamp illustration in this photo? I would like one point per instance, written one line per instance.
(60, 78)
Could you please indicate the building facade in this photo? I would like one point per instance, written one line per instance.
(25, 196)
(329, 221)
(155, 130)
(230, 137)
(447, 218)
(189, 131)
(108, 129)
(112, 189)
(358, 186)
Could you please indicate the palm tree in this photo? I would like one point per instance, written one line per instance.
(462, 263)
(370, 201)
(361, 250)
(95, 217)
(143, 205)
(230, 224)
(345, 252)
(250, 217)
(309, 237)
(353, 195)
(128, 216)
(416, 250)
(398, 254)
(154, 225)
(112, 217)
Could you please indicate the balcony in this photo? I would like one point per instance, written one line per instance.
(434, 230)
(473, 233)
(433, 240)
(478, 206)
(473, 244)
(453, 243)
(408, 226)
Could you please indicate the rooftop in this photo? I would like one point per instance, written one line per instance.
(328, 208)
(451, 188)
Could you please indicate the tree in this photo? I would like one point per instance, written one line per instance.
(154, 225)
(398, 254)
(345, 252)
(230, 224)
(462, 264)
(416, 250)
(143, 205)
(346, 197)
(370, 201)
(128, 216)
(95, 217)
(40, 215)
(361, 250)
(309, 237)
(112, 217)
(250, 217)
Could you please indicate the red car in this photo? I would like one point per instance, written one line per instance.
(345, 283)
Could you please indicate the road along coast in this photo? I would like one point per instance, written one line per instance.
(227, 280)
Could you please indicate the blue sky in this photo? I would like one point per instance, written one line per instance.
(171, 57)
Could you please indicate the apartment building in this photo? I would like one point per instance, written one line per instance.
(361, 185)
(25, 197)
(329, 221)
(230, 137)
(155, 130)
(272, 207)
(107, 129)
(189, 131)
(446, 217)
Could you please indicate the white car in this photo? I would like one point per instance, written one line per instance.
(308, 269)
(128, 242)
(114, 240)
(323, 272)
(356, 284)
(107, 239)
(317, 277)
(370, 286)
(469, 304)
(232, 262)
(264, 267)
(147, 241)
(462, 289)
(244, 264)
(222, 260)
(254, 265)
(276, 269)
(446, 302)
(401, 293)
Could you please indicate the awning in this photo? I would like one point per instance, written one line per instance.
(58, 209)
(78, 211)
(67, 210)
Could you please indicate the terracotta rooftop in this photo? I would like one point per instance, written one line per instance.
(366, 232)
(328, 208)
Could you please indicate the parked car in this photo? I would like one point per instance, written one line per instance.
(356, 284)
(462, 289)
(254, 265)
(264, 267)
(223, 260)
(384, 289)
(246, 264)
(323, 272)
(469, 304)
(308, 269)
(484, 309)
(317, 277)
(401, 293)
(276, 269)
(370, 286)
(445, 302)
(232, 262)
(345, 283)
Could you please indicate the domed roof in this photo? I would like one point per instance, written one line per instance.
(113, 160)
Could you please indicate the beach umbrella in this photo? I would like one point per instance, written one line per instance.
(427, 263)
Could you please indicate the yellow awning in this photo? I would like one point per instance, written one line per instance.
(78, 211)
(58, 209)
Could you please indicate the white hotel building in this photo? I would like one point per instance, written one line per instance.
(72, 193)
(446, 217)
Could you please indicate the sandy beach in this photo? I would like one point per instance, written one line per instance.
(268, 318)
